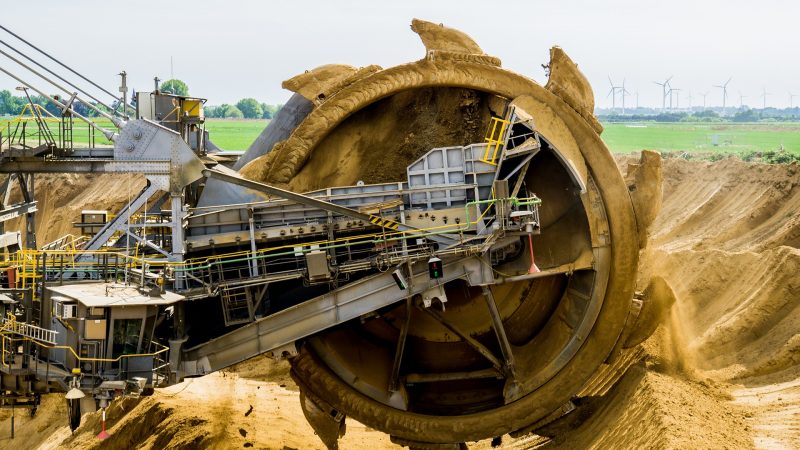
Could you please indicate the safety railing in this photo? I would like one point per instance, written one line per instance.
(9, 324)
(24, 131)
(35, 266)
(158, 351)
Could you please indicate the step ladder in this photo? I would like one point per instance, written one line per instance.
(504, 140)
(236, 305)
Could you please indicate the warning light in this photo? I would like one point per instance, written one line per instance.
(435, 268)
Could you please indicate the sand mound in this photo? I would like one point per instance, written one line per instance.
(728, 205)
(62, 197)
(223, 410)
(648, 409)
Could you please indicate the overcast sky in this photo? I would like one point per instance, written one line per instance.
(229, 49)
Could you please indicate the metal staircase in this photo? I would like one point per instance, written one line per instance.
(236, 305)
(10, 325)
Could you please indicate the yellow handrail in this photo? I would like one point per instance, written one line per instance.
(66, 347)
(24, 259)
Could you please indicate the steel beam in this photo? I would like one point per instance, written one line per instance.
(320, 313)
(87, 165)
(236, 179)
(17, 210)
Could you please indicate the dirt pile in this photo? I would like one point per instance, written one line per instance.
(727, 240)
(224, 410)
(61, 198)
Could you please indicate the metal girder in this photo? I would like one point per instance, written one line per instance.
(87, 165)
(235, 178)
(312, 316)
(17, 210)
(120, 222)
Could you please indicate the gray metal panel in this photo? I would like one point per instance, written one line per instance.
(446, 166)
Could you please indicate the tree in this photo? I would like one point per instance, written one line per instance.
(175, 86)
(747, 115)
(232, 112)
(212, 112)
(270, 110)
(9, 104)
(250, 108)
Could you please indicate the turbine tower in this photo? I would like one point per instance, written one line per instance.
(664, 87)
(689, 97)
(764, 95)
(613, 93)
(623, 92)
(674, 93)
(724, 88)
(704, 94)
(741, 99)
(791, 99)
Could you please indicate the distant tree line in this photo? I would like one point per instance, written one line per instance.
(741, 115)
(12, 105)
(246, 108)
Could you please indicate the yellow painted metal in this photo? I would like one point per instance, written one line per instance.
(494, 139)
(193, 108)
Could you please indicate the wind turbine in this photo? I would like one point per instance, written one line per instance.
(613, 94)
(764, 95)
(791, 98)
(690, 100)
(636, 94)
(664, 87)
(741, 99)
(724, 88)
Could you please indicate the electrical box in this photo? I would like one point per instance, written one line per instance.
(144, 106)
(94, 329)
(66, 310)
(400, 279)
(317, 263)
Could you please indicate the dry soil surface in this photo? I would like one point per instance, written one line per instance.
(724, 372)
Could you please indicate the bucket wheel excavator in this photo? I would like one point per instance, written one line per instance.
(445, 250)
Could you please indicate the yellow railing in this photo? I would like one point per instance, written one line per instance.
(494, 139)
(4, 335)
(28, 266)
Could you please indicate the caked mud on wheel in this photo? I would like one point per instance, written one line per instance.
(443, 375)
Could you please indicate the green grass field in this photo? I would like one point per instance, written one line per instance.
(702, 137)
(234, 134)
(225, 133)
(620, 137)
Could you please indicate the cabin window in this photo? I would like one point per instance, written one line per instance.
(126, 337)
